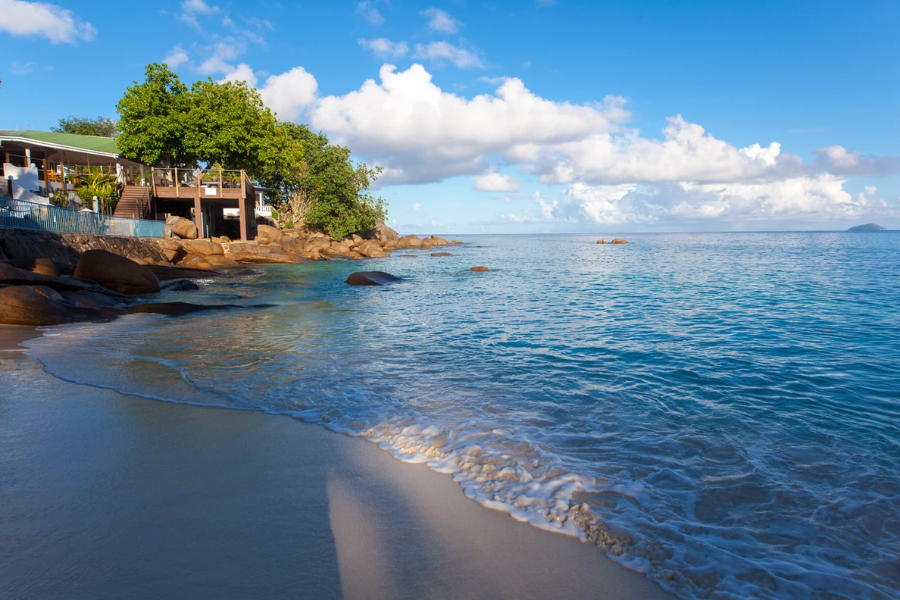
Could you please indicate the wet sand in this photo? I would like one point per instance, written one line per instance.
(111, 496)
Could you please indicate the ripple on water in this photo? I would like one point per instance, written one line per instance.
(719, 411)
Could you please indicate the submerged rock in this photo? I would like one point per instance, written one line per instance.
(441, 254)
(179, 285)
(371, 278)
(175, 309)
(116, 273)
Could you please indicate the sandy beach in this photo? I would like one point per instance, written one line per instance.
(109, 496)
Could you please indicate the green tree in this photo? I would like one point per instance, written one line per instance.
(326, 190)
(152, 119)
(101, 126)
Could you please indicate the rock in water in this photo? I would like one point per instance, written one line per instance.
(441, 254)
(39, 306)
(179, 285)
(181, 227)
(479, 268)
(116, 273)
(601, 241)
(866, 227)
(371, 278)
(619, 241)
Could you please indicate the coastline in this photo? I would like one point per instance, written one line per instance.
(160, 500)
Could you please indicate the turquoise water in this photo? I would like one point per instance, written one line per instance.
(719, 411)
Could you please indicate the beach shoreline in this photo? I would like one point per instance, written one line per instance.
(108, 494)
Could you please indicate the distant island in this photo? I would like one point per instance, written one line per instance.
(867, 227)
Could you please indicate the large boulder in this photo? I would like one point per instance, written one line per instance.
(381, 233)
(247, 252)
(410, 241)
(10, 275)
(38, 306)
(116, 273)
(203, 247)
(267, 232)
(435, 241)
(619, 241)
(371, 278)
(181, 227)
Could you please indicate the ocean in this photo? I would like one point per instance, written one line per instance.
(718, 411)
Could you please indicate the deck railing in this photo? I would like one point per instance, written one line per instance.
(22, 214)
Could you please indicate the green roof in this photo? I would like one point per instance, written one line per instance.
(89, 143)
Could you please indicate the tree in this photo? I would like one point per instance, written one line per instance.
(326, 190)
(101, 126)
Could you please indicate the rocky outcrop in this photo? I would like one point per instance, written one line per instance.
(619, 241)
(266, 232)
(40, 306)
(371, 278)
(181, 227)
(601, 241)
(116, 273)
(381, 233)
(41, 266)
(479, 268)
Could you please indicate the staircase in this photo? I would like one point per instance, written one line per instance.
(134, 203)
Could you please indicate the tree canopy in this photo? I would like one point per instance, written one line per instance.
(165, 122)
(101, 126)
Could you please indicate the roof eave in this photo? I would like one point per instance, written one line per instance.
(13, 138)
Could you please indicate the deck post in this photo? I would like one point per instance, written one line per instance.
(177, 192)
(198, 216)
(220, 181)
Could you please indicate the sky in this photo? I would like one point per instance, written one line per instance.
(529, 116)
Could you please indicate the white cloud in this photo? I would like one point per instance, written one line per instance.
(199, 7)
(369, 13)
(836, 159)
(421, 133)
(439, 20)
(441, 52)
(870, 190)
(384, 48)
(22, 68)
(289, 93)
(416, 207)
(57, 24)
(242, 72)
(177, 56)
(496, 182)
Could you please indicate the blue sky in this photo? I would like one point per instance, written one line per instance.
(530, 116)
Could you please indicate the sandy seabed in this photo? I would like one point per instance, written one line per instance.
(110, 496)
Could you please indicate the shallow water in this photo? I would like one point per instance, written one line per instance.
(720, 411)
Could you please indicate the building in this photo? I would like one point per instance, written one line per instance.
(40, 165)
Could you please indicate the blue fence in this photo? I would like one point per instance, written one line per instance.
(42, 217)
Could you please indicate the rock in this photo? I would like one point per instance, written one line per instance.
(479, 268)
(601, 241)
(254, 253)
(456, 243)
(222, 239)
(441, 254)
(410, 241)
(10, 275)
(619, 241)
(268, 232)
(204, 247)
(195, 261)
(381, 232)
(337, 249)
(355, 255)
(41, 266)
(866, 228)
(36, 306)
(183, 228)
(221, 261)
(371, 278)
(85, 299)
(436, 241)
(179, 285)
(407, 256)
(175, 309)
(116, 273)
(167, 272)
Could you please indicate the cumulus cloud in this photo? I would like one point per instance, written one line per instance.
(421, 133)
(177, 56)
(57, 24)
(445, 52)
(439, 20)
(289, 93)
(369, 13)
(191, 8)
(496, 182)
(836, 159)
(384, 48)
(242, 72)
